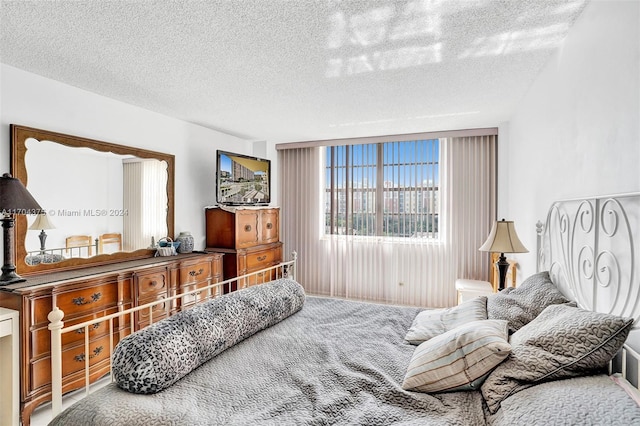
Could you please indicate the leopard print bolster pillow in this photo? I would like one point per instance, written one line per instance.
(157, 356)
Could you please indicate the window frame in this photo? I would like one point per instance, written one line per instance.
(380, 212)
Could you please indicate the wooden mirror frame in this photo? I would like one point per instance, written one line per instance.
(19, 137)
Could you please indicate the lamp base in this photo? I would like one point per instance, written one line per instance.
(43, 238)
(503, 267)
(10, 278)
(9, 275)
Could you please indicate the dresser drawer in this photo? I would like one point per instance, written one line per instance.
(191, 274)
(153, 283)
(256, 279)
(41, 337)
(86, 299)
(261, 259)
(96, 330)
(198, 296)
(157, 312)
(73, 360)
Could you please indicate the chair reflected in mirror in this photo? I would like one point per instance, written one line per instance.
(113, 240)
(79, 246)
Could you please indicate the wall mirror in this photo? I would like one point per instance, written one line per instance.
(102, 202)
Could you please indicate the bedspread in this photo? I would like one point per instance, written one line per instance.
(587, 400)
(333, 362)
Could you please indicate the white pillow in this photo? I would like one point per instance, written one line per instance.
(459, 359)
(431, 323)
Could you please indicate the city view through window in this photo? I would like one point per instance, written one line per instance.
(388, 189)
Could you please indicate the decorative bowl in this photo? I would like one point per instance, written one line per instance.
(163, 243)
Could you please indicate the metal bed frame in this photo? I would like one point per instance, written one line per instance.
(589, 246)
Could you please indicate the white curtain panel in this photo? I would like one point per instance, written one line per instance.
(145, 200)
(400, 271)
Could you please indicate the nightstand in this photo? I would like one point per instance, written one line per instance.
(468, 289)
(9, 380)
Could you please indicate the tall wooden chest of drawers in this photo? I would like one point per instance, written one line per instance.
(90, 293)
(250, 239)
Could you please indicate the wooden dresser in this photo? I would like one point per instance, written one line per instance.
(89, 293)
(250, 239)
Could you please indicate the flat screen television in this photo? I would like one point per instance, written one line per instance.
(242, 180)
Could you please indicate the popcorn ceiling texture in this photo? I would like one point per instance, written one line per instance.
(296, 70)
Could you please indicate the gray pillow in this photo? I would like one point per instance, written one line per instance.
(587, 400)
(522, 304)
(563, 341)
(430, 323)
(157, 356)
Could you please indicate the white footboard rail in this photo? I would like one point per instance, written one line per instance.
(56, 325)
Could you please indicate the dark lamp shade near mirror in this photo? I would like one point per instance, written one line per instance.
(503, 239)
(14, 199)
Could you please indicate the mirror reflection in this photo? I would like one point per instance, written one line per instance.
(95, 202)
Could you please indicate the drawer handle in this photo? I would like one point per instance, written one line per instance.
(195, 274)
(153, 283)
(247, 228)
(269, 225)
(93, 327)
(261, 258)
(97, 351)
(79, 301)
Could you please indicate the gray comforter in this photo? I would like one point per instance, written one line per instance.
(334, 362)
(338, 362)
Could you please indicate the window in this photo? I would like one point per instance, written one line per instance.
(387, 189)
(329, 194)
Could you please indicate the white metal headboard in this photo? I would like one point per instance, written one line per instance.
(591, 248)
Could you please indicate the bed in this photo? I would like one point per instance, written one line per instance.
(279, 356)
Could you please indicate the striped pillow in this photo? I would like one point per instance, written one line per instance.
(459, 359)
(431, 323)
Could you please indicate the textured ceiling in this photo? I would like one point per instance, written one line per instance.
(299, 69)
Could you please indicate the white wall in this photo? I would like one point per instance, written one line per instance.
(577, 132)
(31, 100)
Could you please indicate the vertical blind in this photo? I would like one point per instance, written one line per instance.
(145, 183)
(412, 271)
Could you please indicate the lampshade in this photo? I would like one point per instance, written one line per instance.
(14, 197)
(42, 222)
(503, 239)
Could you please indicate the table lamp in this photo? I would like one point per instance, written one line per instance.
(42, 222)
(503, 239)
(14, 199)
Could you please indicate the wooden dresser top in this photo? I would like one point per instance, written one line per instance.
(45, 280)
